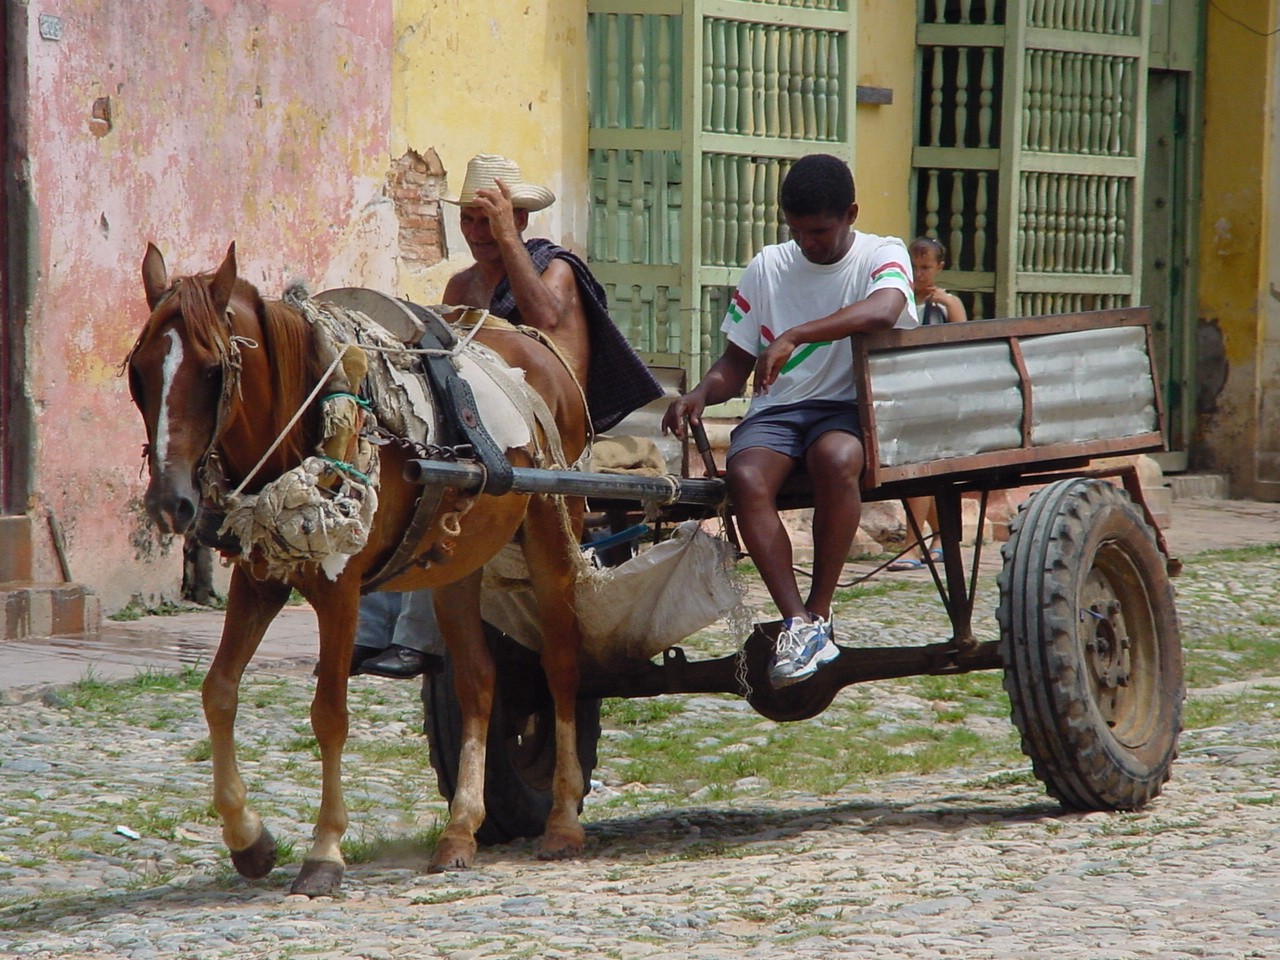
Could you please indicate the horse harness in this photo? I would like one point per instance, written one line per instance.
(460, 431)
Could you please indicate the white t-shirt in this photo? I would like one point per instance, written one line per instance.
(780, 289)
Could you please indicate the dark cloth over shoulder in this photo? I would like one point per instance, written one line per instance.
(617, 379)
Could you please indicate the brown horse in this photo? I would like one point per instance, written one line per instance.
(217, 370)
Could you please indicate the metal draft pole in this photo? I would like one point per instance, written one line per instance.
(470, 477)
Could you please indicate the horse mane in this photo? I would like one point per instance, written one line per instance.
(293, 370)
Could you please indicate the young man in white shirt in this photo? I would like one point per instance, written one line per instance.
(788, 326)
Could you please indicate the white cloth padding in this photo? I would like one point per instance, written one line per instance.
(293, 521)
(631, 612)
(505, 422)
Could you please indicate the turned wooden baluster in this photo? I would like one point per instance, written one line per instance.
(612, 93)
(640, 252)
(835, 95)
(772, 42)
(708, 75)
(795, 82)
(612, 242)
(666, 98)
(808, 86)
(708, 211)
(771, 181)
(986, 97)
(731, 88)
(957, 216)
(935, 99)
(718, 211)
(759, 80)
(979, 224)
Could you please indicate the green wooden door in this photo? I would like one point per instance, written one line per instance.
(698, 107)
(1029, 144)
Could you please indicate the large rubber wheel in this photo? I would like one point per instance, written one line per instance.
(521, 753)
(1091, 646)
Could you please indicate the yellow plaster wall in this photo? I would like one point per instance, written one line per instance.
(499, 77)
(882, 168)
(1232, 223)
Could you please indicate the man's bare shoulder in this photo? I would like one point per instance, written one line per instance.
(467, 288)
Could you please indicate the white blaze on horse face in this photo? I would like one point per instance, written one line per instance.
(172, 360)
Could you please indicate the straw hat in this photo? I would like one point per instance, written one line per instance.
(484, 168)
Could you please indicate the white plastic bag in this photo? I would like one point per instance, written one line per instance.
(633, 611)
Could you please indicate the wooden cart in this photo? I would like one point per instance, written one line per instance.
(1088, 631)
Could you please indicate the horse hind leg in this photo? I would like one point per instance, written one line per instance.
(553, 575)
(251, 606)
(457, 608)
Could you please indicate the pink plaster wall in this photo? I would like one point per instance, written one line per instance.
(265, 122)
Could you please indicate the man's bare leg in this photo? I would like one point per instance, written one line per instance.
(834, 462)
(755, 476)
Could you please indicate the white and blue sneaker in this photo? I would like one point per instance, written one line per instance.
(801, 649)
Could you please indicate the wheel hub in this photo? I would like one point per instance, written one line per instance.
(1109, 646)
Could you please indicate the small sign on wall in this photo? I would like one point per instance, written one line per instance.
(50, 27)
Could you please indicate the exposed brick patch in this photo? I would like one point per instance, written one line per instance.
(414, 183)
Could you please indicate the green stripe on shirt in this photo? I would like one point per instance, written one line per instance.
(801, 355)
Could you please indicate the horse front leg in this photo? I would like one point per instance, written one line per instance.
(553, 575)
(337, 607)
(458, 612)
(251, 606)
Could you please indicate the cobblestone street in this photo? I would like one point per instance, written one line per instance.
(971, 861)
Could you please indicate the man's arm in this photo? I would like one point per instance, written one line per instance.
(879, 311)
(722, 382)
(545, 300)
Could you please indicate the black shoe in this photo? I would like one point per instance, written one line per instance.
(398, 663)
(359, 654)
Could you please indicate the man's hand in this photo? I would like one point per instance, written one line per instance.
(770, 363)
(496, 205)
(686, 407)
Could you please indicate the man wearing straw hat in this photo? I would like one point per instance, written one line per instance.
(537, 283)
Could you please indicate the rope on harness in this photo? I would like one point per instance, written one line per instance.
(291, 424)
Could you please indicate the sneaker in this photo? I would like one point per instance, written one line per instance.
(801, 649)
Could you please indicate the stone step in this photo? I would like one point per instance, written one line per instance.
(36, 610)
(1183, 486)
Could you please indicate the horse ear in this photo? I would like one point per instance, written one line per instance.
(155, 277)
(224, 281)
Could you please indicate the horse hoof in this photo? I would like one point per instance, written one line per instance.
(257, 859)
(452, 855)
(318, 878)
(561, 846)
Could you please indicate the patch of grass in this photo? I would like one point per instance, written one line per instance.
(639, 712)
(1210, 709)
(137, 608)
(1217, 658)
(1252, 554)
(450, 896)
(90, 693)
(880, 588)
(379, 846)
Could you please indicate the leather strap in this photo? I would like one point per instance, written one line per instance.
(406, 553)
(459, 419)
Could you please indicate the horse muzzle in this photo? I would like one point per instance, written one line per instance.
(172, 507)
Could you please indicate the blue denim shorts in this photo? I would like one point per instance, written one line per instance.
(792, 429)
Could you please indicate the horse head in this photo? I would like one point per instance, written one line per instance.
(217, 370)
(177, 378)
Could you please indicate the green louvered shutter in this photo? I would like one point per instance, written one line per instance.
(1029, 145)
(697, 109)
